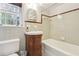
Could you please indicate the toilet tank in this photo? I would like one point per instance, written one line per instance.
(8, 47)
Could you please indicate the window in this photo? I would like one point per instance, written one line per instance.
(10, 14)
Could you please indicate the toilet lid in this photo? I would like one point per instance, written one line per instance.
(15, 54)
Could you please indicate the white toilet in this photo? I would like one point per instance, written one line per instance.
(9, 47)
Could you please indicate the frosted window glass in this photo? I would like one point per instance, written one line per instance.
(2, 18)
(10, 14)
(8, 18)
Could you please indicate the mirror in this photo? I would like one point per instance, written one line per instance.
(33, 16)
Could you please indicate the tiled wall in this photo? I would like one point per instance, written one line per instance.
(65, 27)
(7, 33)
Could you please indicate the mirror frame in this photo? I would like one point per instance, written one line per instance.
(32, 21)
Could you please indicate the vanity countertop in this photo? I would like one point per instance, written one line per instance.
(34, 33)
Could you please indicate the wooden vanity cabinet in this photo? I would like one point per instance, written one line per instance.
(33, 45)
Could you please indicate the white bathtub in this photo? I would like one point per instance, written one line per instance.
(9, 47)
(52, 47)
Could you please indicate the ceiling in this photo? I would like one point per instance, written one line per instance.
(45, 6)
(42, 6)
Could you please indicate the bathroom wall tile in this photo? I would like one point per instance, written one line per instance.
(7, 33)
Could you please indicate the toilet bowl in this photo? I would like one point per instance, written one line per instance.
(9, 47)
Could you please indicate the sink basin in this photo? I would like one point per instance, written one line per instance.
(34, 33)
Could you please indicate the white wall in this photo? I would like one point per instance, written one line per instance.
(67, 27)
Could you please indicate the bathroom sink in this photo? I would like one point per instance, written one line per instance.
(34, 33)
